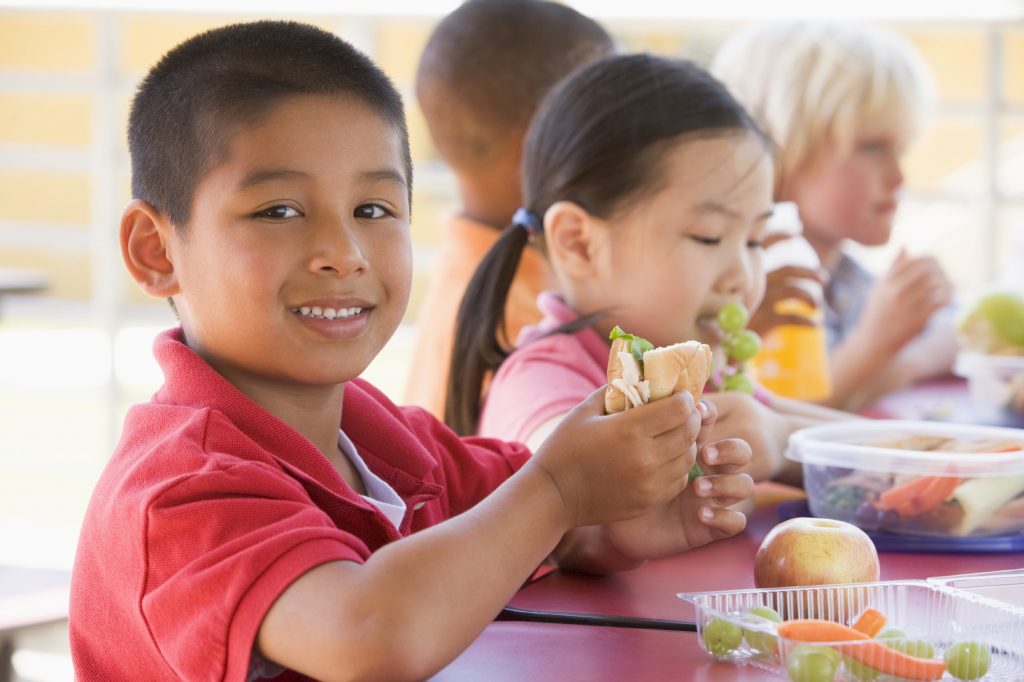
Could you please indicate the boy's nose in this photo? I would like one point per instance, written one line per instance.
(337, 250)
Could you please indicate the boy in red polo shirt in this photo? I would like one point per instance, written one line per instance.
(238, 533)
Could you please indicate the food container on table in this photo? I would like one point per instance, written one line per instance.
(995, 384)
(1006, 587)
(936, 619)
(920, 478)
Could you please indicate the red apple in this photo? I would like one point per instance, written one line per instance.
(804, 552)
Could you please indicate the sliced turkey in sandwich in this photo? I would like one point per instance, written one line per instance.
(639, 373)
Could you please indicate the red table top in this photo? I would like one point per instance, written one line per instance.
(540, 651)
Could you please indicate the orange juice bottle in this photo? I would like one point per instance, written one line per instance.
(793, 361)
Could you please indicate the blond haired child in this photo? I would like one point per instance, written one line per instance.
(842, 102)
(482, 74)
(648, 188)
(267, 514)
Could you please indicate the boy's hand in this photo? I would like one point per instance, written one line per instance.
(744, 417)
(903, 300)
(698, 515)
(614, 467)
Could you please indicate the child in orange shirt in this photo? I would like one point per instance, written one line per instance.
(485, 69)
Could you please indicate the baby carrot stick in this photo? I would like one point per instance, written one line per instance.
(868, 651)
(870, 622)
(919, 495)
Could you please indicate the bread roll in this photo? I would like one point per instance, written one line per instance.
(680, 367)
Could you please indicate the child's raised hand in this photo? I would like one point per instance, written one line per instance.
(903, 299)
(614, 467)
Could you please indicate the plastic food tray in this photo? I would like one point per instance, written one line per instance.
(1006, 587)
(934, 611)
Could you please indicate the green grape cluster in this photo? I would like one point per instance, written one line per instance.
(740, 344)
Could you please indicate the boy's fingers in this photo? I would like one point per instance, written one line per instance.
(708, 412)
(725, 521)
(724, 490)
(665, 415)
(726, 456)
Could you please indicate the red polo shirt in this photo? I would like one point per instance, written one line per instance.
(210, 507)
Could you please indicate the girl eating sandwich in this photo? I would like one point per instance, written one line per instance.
(647, 187)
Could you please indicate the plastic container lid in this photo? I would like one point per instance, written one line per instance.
(967, 363)
(849, 443)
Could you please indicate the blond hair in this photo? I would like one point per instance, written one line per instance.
(811, 85)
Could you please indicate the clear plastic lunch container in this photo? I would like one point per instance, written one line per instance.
(933, 479)
(951, 633)
(1006, 587)
(995, 384)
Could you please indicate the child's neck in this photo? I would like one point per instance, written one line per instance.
(316, 414)
(488, 199)
(828, 250)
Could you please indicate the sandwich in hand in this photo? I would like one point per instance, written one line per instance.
(639, 373)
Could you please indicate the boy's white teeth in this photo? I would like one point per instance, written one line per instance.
(326, 313)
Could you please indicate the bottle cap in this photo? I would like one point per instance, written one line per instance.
(785, 219)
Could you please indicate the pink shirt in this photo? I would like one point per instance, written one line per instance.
(546, 376)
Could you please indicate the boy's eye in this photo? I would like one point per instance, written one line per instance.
(279, 213)
(755, 244)
(371, 211)
(707, 241)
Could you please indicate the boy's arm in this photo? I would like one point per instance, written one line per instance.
(419, 601)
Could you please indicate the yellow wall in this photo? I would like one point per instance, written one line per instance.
(51, 68)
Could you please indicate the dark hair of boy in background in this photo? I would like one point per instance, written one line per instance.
(268, 514)
(483, 73)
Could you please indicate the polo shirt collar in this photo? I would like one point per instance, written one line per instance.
(393, 452)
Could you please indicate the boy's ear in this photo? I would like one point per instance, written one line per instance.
(569, 237)
(145, 232)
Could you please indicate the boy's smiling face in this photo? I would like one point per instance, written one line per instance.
(309, 211)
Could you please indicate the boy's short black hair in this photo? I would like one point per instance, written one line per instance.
(488, 65)
(189, 105)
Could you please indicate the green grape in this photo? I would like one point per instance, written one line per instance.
(968, 660)
(858, 671)
(762, 643)
(891, 633)
(914, 647)
(809, 663)
(732, 317)
(721, 636)
(743, 345)
(1006, 313)
(738, 382)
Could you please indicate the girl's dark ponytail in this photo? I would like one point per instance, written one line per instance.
(481, 339)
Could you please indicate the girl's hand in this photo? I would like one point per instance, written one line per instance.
(613, 467)
(783, 284)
